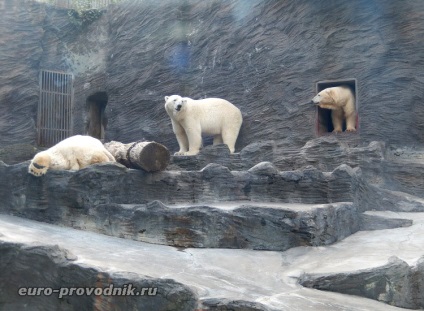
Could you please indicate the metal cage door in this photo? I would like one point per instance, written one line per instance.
(54, 119)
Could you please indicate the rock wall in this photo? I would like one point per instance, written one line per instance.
(395, 283)
(20, 53)
(264, 56)
(20, 267)
(113, 183)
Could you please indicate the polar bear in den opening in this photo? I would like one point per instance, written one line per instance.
(73, 153)
(211, 116)
(341, 101)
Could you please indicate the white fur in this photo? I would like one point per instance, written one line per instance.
(72, 153)
(211, 116)
(341, 101)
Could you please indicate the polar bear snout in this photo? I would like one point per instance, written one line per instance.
(316, 100)
(174, 103)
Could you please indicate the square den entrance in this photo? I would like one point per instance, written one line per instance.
(324, 124)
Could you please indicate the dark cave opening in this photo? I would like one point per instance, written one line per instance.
(97, 121)
(324, 124)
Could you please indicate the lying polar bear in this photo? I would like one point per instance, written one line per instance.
(341, 101)
(211, 116)
(72, 153)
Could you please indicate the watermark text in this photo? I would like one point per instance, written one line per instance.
(111, 290)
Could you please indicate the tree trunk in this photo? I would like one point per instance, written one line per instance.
(149, 156)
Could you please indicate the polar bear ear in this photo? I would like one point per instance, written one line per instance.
(166, 98)
(184, 101)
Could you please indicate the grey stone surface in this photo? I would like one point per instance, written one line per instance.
(113, 183)
(218, 279)
(233, 305)
(405, 177)
(17, 153)
(325, 153)
(255, 54)
(32, 265)
(372, 222)
(370, 197)
(250, 225)
(395, 283)
(102, 198)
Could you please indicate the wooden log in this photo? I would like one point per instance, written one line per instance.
(148, 155)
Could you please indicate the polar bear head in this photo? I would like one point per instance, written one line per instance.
(325, 99)
(40, 164)
(175, 103)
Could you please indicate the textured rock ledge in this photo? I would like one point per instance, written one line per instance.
(391, 178)
(252, 226)
(370, 197)
(39, 265)
(113, 183)
(395, 283)
(326, 153)
(249, 225)
(384, 265)
(189, 279)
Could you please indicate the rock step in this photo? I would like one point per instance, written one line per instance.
(38, 254)
(404, 176)
(325, 153)
(114, 183)
(243, 225)
(396, 278)
(397, 170)
(371, 197)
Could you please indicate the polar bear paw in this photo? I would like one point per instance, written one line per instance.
(191, 153)
(187, 153)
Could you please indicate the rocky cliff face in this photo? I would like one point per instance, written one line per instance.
(264, 56)
(286, 191)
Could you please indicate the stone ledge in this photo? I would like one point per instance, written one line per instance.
(242, 225)
(39, 265)
(217, 279)
(252, 226)
(325, 153)
(113, 183)
(395, 283)
(371, 197)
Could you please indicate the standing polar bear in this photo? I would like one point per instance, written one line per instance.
(341, 101)
(211, 116)
(72, 153)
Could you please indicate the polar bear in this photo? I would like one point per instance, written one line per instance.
(211, 116)
(72, 153)
(341, 101)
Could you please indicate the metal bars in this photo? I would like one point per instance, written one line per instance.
(80, 4)
(54, 119)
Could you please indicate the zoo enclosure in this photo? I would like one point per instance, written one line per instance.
(54, 115)
(80, 4)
